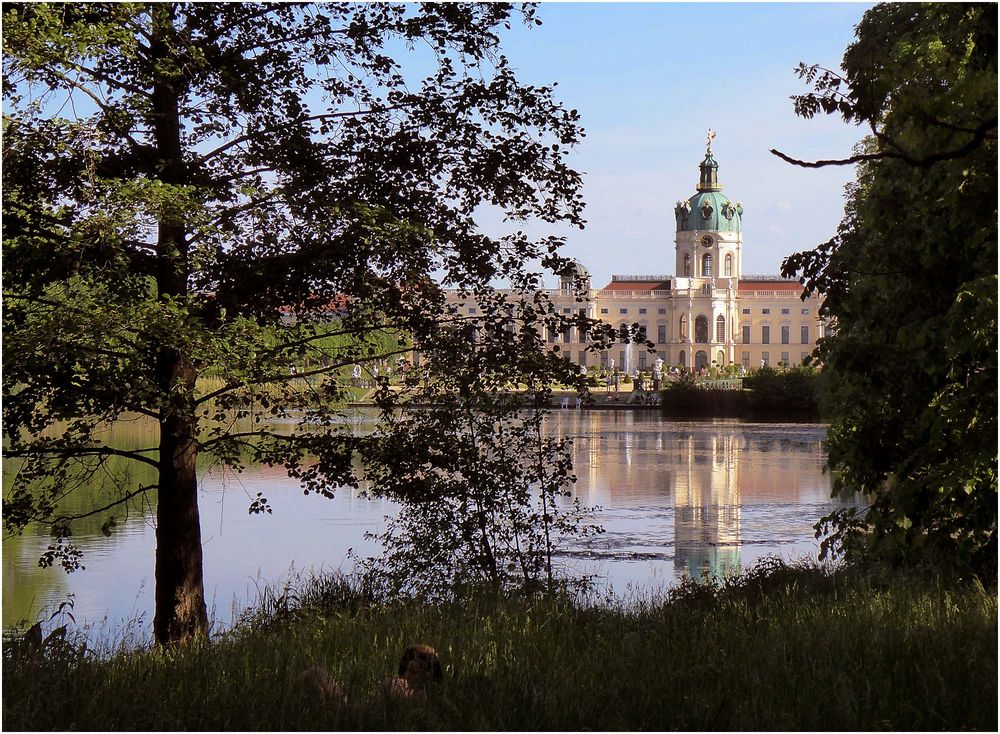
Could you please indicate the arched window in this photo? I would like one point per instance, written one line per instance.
(687, 266)
(683, 359)
(684, 327)
(720, 328)
(721, 361)
(706, 265)
(701, 330)
(700, 360)
(729, 265)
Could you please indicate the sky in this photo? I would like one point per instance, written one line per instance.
(650, 78)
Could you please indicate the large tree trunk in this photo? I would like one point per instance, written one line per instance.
(180, 611)
(180, 591)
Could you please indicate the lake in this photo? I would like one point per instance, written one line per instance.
(677, 498)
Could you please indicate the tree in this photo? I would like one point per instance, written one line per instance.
(198, 196)
(910, 285)
(483, 492)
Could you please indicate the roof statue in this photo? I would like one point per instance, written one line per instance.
(711, 137)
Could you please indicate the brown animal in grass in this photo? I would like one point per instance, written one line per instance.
(418, 667)
(318, 682)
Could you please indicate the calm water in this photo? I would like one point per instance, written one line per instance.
(677, 498)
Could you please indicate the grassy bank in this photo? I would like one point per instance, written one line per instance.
(774, 649)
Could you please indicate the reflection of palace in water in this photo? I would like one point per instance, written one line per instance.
(707, 472)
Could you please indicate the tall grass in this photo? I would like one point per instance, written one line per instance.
(776, 648)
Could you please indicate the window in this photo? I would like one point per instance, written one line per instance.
(720, 358)
(746, 334)
(567, 310)
(784, 312)
(642, 333)
(661, 311)
(583, 358)
(701, 330)
(684, 327)
(765, 359)
(706, 265)
(661, 334)
(687, 266)
(642, 360)
(552, 335)
(803, 356)
(567, 335)
(621, 361)
(765, 335)
(784, 334)
(765, 311)
(804, 334)
(720, 328)
(622, 310)
(604, 310)
(642, 311)
(805, 312)
(683, 359)
(729, 265)
(746, 311)
(784, 358)
(746, 360)
(472, 312)
(604, 360)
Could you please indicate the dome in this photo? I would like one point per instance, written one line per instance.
(574, 272)
(709, 209)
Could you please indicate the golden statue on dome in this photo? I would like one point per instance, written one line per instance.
(711, 137)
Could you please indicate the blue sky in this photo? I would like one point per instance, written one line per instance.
(650, 78)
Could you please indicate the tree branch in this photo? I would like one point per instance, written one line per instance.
(979, 134)
(121, 500)
(64, 453)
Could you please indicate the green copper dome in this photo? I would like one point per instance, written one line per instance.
(709, 209)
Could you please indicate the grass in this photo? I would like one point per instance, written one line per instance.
(778, 648)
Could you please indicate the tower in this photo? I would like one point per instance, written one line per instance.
(708, 247)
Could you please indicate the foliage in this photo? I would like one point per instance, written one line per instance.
(796, 388)
(234, 190)
(910, 284)
(700, 658)
(484, 496)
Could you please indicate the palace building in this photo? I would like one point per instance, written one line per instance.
(709, 312)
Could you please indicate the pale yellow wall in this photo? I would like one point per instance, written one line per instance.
(655, 308)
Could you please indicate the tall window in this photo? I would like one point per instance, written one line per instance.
(687, 266)
(746, 333)
(720, 358)
(683, 359)
(729, 265)
(661, 334)
(765, 335)
(805, 334)
(720, 328)
(746, 360)
(784, 334)
(684, 327)
(706, 265)
(701, 330)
